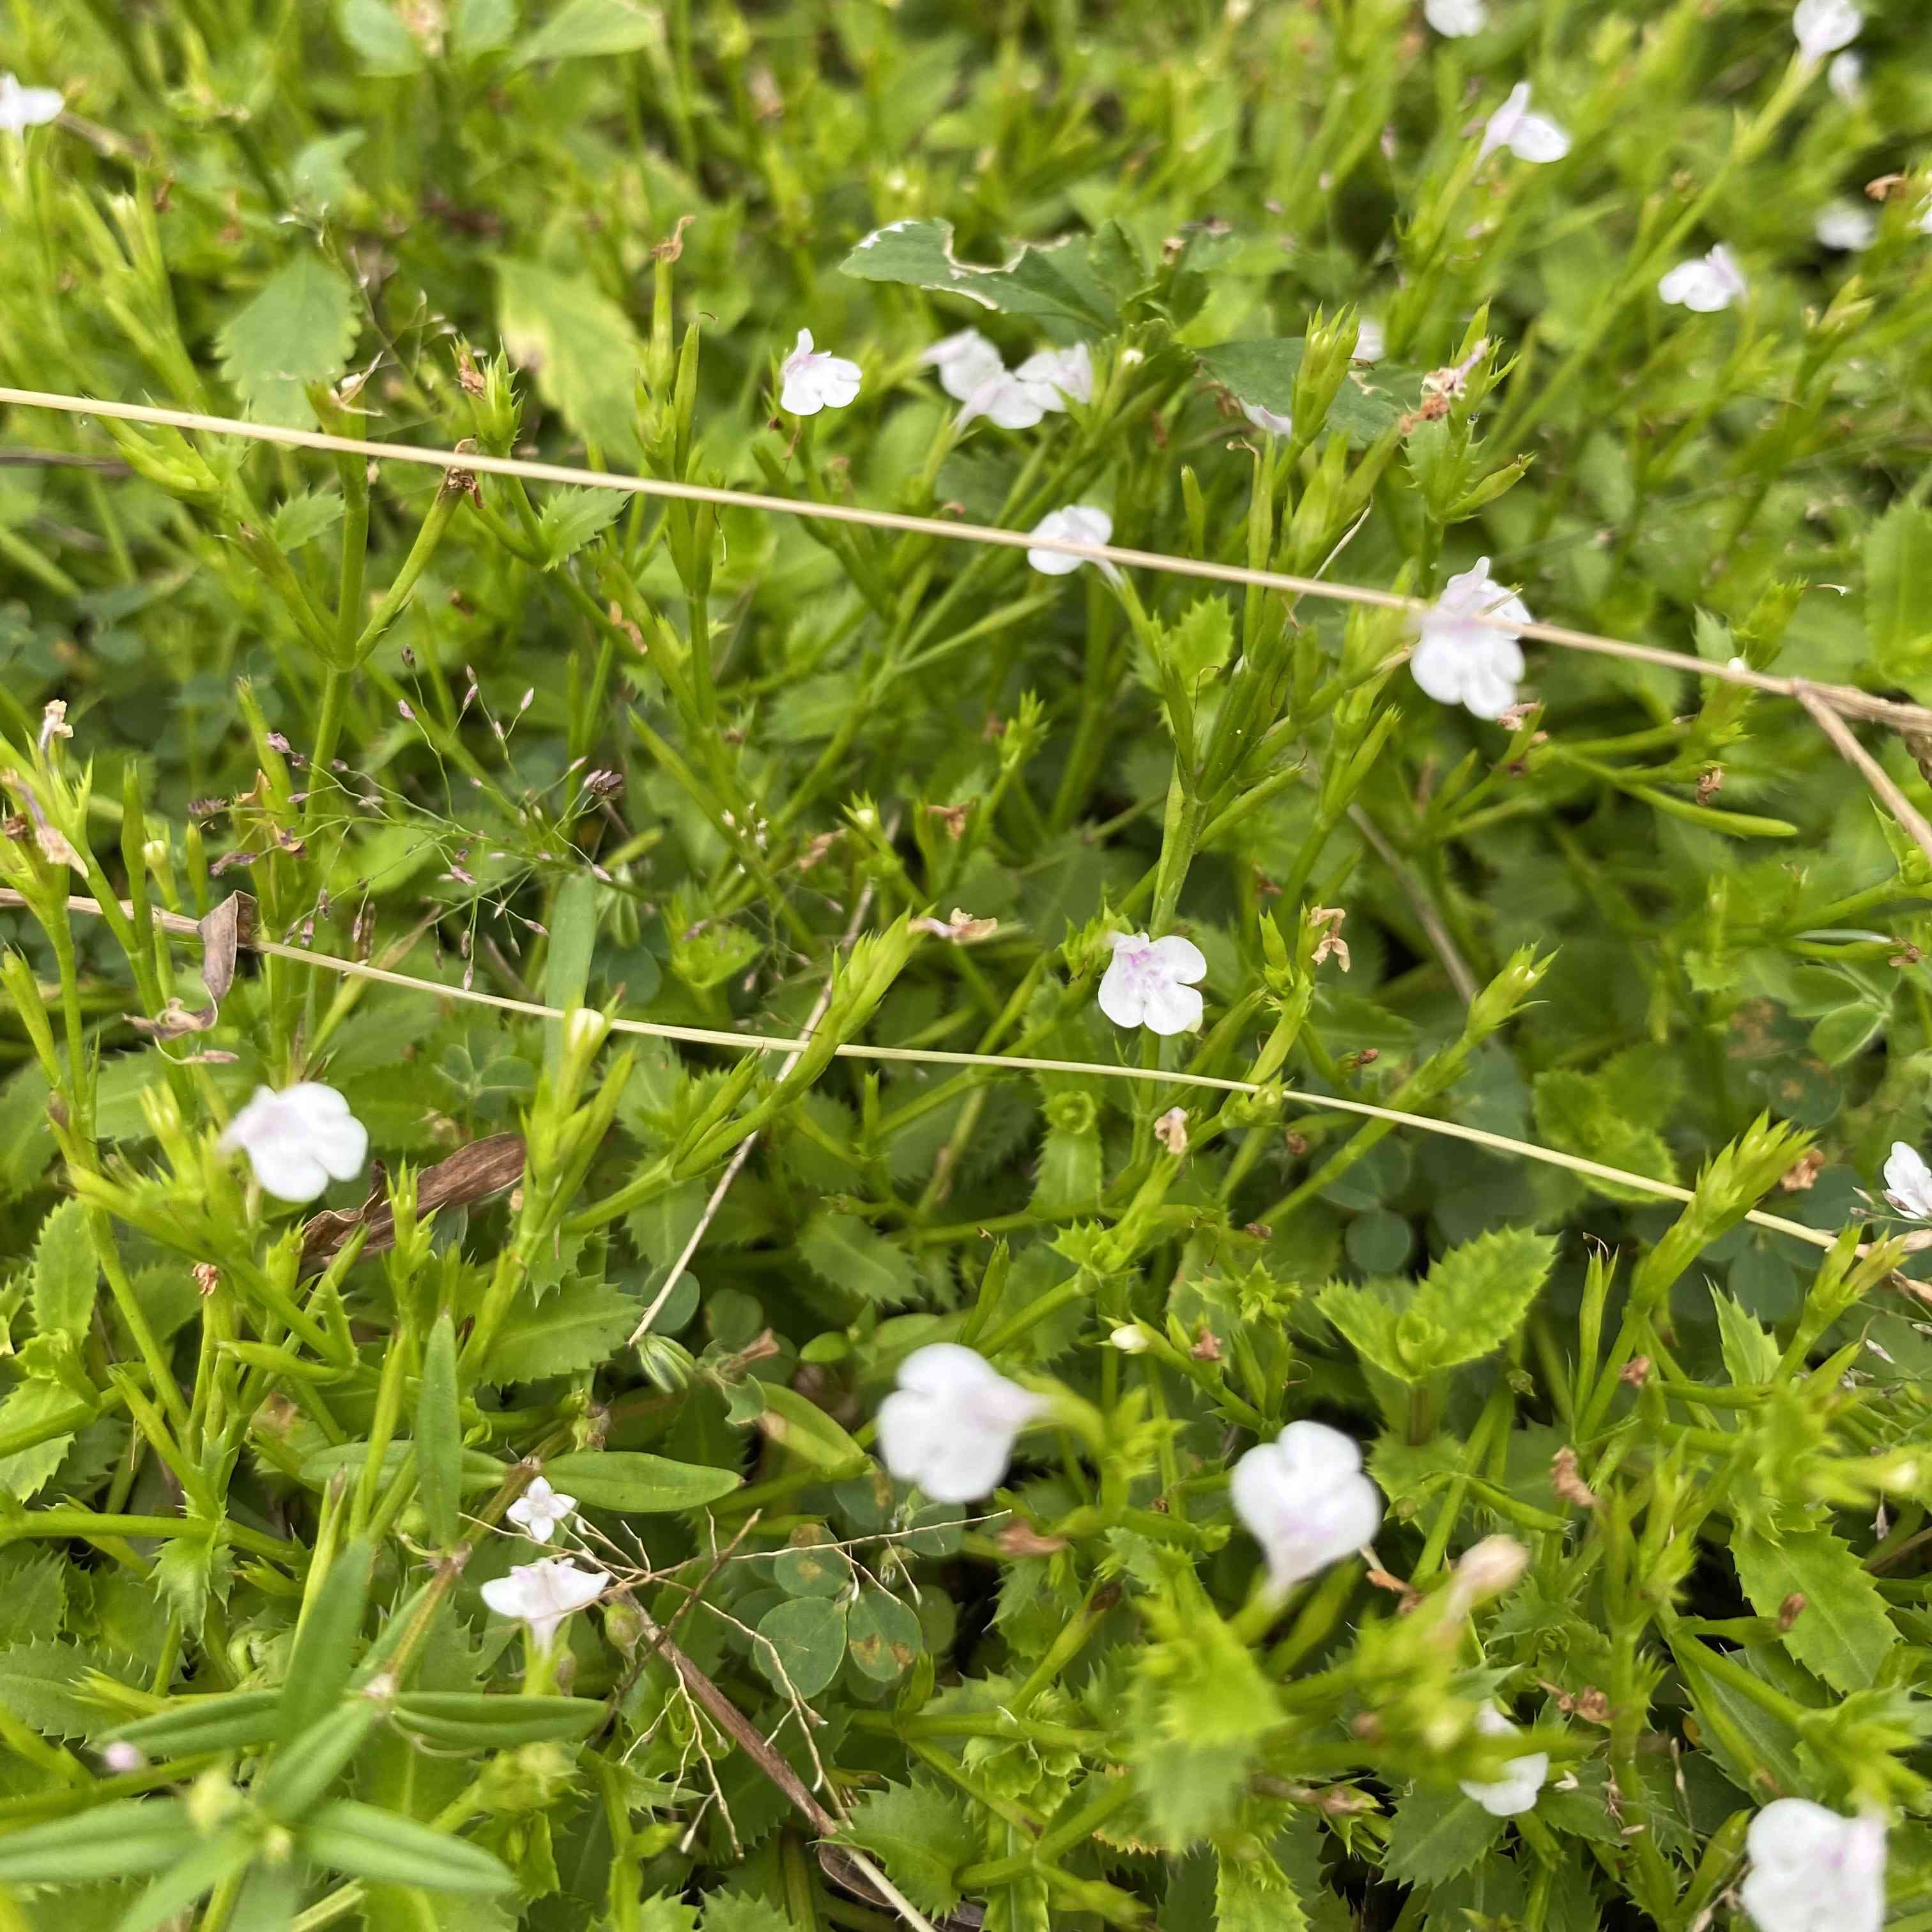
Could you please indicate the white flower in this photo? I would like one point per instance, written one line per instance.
(1459, 661)
(1846, 78)
(950, 1425)
(1148, 982)
(815, 381)
(1908, 1182)
(1523, 1777)
(1823, 26)
(1811, 1869)
(1267, 421)
(24, 107)
(1456, 19)
(963, 362)
(121, 1757)
(1706, 284)
(1305, 1500)
(1845, 225)
(1530, 137)
(1079, 523)
(1062, 372)
(1129, 1339)
(1002, 398)
(543, 1595)
(1371, 343)
(299, 1140)
(539, 1510)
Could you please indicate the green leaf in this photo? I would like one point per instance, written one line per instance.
(1847, 1030)
(810, 1565)
(1366, 1320)
(1898, 592)
(803, 1644)
(26, 1471)
(1254, 1895)
(172, 1891)
(1066, 282)
(730, 1911)
(593, 27)
(480, 26)
(227, 1722)
(922, 1835)
(1580, 1114)
(573, 941)
(367, 1843)
(638, 1483)
(300, 328)
(64, 1273)
(480, 1720)
(1262, 371)
(189, 1569)
(1435, 1835)
(303, 518)
(1751, 1353)
(582, 1324)
(385, 46)
(1843, 1633)
(580, 346)
(480, 1471)
(41, 1684)
(1477, 1296)
(883, 1633)
(124, 1840)
(325, 1648)
(439, 1435)
(847, 1253)
(572, 517)
(664, 1913)
(802, 1426)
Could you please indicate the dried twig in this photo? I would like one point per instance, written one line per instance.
(1817, 702)
(1430, 920)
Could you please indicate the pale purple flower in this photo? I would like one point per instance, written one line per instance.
(1066, 373)
(1908, 1182)
(1458, 661)
(1823, 26)
(1456, 19)
(951, 1423)
(1846, 78)
(814, 380)
(1813, 1871)
(24, 107)
(1523, 1776)
(963, 361)
(1304, 1499)
(540, 1510)
(1846, 226)
(1530, 137)
(1706, 284)
(1079, 523)
(543, 1593)
(1149, 983)
(1267, 420)
(299, 1140)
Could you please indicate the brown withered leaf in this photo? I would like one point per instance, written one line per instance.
(471, 1173)
(223, 932)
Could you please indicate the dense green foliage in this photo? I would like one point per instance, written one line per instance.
(735, 771)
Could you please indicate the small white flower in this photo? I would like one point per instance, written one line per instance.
(299, 1140)
(1908, 1182)
(540, 1510)
(1846, 78)
(1516, 1791)
(1845, 225)
(24, 107)
(1823, 26)
(1267, 421)
(121, 1756)
(1305, 1500)
(1811, 1868)
(1062, 372)
(1459, 661)
(951, 1423)
(1148, 982)
(1079, 523)
(814, 380)
(542, 1594)
(1129, 1339)
(963, 362)
(583, 1031)
(1002, 398)
(1530, 137)
(1456, 19)
(1706, 284)
(1371, 342)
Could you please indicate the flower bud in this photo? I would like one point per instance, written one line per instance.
(1129, 1339)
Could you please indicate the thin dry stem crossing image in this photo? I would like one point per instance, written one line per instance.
(963, 969)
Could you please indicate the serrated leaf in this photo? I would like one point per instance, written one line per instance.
(1898, 592)
(188, 1570)
(1435, 1835)
(803, 1644)
(583, 1324)
(300, 328)
(479, 26)
(384, 47)
(1366, 1321)
(1579, 1114)
(1751, 1353)
(593, 27)
(303, 518)
(579, 345)
(922, 1835)
(65, 1271)
(1067, 281)
(1262, 371)
(730, 1911)
(40, 1685)
(1477, 1296)
(1843, 1633)
(572, 517)
(664, 1913)
(883, 1634)
(846, 1253)
(25, 1473)
(1254, 1895)
(638, 1483)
